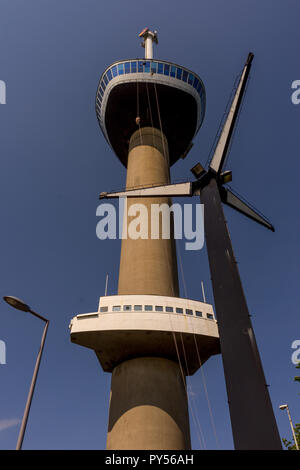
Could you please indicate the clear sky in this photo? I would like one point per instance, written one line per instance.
(55, 161)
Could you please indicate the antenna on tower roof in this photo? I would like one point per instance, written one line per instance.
(148, 38)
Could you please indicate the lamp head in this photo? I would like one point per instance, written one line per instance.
(283, 407)
(16, 303)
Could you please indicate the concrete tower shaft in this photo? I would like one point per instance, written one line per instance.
(148, 406)
(148, 266)
(146, 391)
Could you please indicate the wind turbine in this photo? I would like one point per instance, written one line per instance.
(252, 417)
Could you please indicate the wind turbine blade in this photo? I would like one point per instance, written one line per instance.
(177, 189)
(231, 200)
(222, 146)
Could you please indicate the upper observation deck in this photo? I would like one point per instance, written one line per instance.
(138, 93)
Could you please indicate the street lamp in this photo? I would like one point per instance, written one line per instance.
(20, 305)
(285, 407)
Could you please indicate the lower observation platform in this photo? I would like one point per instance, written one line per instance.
(130, 326)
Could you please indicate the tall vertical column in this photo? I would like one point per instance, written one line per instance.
(148, 266)
(148, 401)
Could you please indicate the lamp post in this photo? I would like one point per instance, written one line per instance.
(285, 407)
(20, 305)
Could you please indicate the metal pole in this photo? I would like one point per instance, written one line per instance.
(203, 293)
(252, 417)
(106, 283)
(292, 427)
(32, 386)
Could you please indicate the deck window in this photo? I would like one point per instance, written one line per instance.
(160, 68)
(148, 308)
(103, 309)
(147, 67)
(153, 67)
(133, 67)
(178, 73)
(169, 309)
(173, 71)
(191, 78)
(179, 310)
(166, 69)
(127, 308)
(188, 311)
(159, 308)
(138, 308)
(116, 308)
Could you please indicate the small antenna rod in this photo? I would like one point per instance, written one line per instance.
(106, 284)
(203, 293)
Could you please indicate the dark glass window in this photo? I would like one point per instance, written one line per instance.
(127, 308)
(147, 67)
(198, 314)
(114, 70)
(120, 69)
(210, 316)
(188, 311)
(127, 67)
(138, 307)
(103, 309)
(184, 76)
(109, 75)
(148, 308)
(178, 73)
(191, 78)
(160, 68)
(173, 71)
(195, 84)
(179, 310)
(158, 308)
(116, 308)
(140, 66)
(166, 69)
(169, 309)
(133, 67)
(153, 67)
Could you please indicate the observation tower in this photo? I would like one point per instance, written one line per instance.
(146, 336)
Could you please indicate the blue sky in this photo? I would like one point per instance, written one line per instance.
(55, 162)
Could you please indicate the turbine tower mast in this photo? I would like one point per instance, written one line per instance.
(149, 111)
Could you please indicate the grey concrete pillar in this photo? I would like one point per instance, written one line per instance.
(148, 266)
(148, 406)
(148, 403)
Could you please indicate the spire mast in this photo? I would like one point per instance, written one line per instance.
(148, 38)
